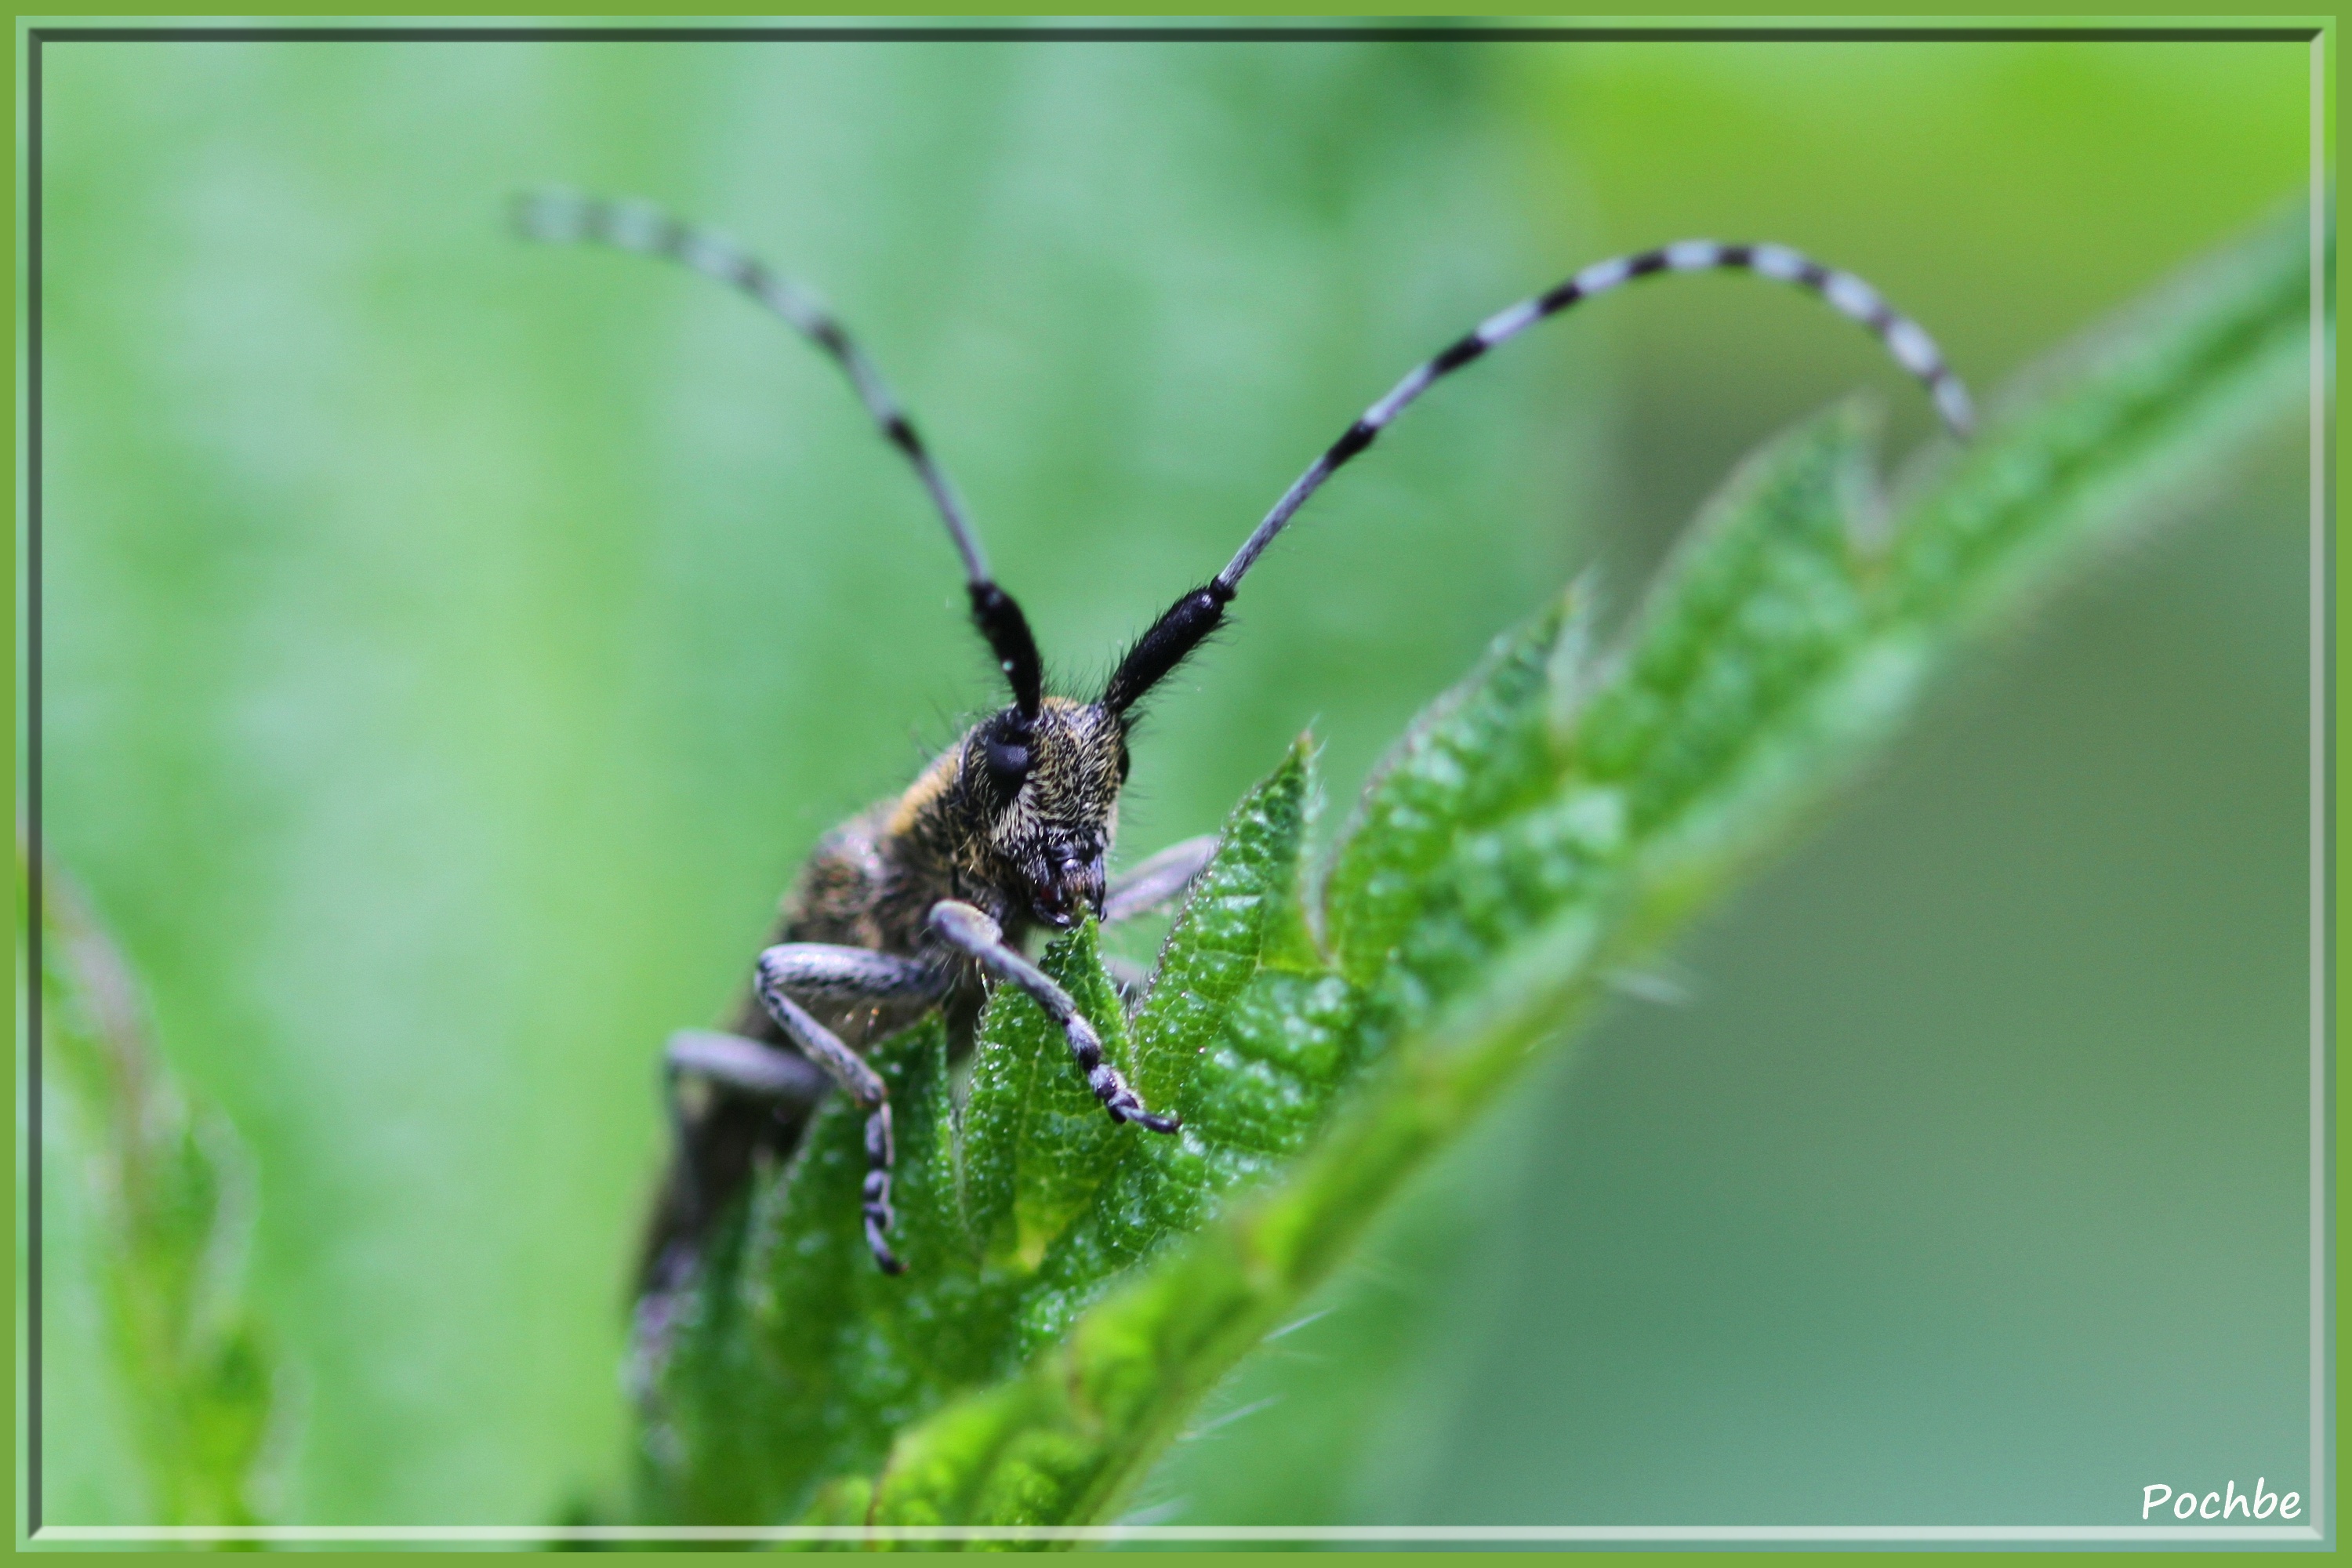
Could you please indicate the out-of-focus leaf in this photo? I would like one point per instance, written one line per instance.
(166, 1191)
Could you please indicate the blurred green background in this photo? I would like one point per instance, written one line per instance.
(454, 644)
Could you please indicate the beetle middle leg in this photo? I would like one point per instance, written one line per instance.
(824, 973)
(753, 1067)
(1161, 878)
(973, 933)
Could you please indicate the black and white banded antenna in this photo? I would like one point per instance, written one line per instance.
(561, 217)
(1192, 617)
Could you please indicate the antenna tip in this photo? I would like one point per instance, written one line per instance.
(549, 213)
(1952, 403)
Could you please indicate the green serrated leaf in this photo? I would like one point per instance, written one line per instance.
(1482, 747)
(1242, 914)
(1768, 587)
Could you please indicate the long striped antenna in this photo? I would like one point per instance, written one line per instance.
(560, 217)
(1197, 613)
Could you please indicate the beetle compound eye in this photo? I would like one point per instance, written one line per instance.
(1008, 764)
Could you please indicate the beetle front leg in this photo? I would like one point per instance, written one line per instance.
(815, 969)
(973, 933)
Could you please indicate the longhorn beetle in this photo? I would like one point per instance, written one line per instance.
(924, 900)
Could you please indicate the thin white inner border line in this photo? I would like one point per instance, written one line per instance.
(1723, 1532)
(2315, 1497)
(2321, 944)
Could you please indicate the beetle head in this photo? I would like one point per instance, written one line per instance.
(1049, 786)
